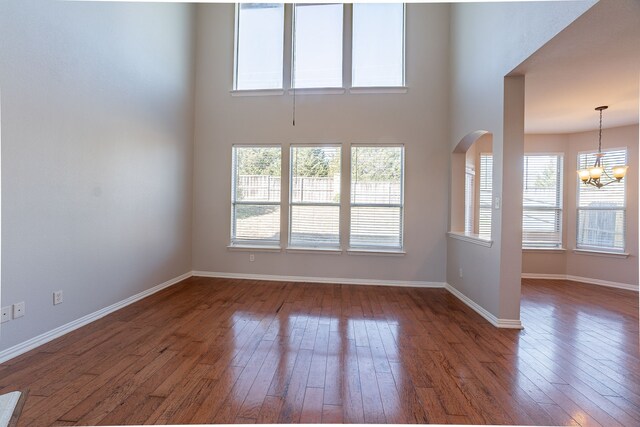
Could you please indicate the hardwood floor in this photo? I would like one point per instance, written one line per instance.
(231, 351)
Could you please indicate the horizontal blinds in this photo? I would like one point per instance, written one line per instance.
(255, 216)
(377, 197)
(315, 196)
(542, 201)
(602, 211)
(468, 201)
(486, 189)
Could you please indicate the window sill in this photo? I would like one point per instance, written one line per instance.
(379, 89)
(545, 250)
(301, 250)
(601, 253)
(318, 91)
(471, 238)
(376, 252)
(254, 248)
(257, 92)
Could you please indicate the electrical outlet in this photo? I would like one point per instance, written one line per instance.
(6, 314)
(57, 297)
(18, 309)
(460, 272)
(252, 257)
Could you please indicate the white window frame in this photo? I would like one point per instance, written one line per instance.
(252, 242)
(292, 203)
(379, 205)
(579, 183)
(364, 89)
(560, 205)
(469, 199)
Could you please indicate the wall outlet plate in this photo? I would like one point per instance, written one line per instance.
(57, 297)
(6, 314)
(18, 309)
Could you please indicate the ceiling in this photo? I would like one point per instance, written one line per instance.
(595, 61)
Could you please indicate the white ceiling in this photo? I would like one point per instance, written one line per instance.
(595, 61)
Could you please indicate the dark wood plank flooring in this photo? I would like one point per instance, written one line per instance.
(232, 351)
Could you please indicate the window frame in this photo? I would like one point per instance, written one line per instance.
(291, 203)
(258, 243)
(398, 88)
(236, 46)
(579, 184)
(469, 199)
(401, 205)
(485, 205)
(559, 190)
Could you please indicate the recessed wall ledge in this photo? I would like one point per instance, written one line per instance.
(601, 253)
(472, 238)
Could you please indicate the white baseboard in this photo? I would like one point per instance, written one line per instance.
(307, 279)
(498, 323)
(586, 280)
(34, 342)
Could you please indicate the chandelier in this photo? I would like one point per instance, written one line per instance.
(594, 175)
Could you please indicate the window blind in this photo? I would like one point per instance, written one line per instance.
(255, 193)
(259, 45)
(314, 219)
(486, 189)
(378, 44)
(469, 189)
(601, 212)
(542, 201)
(377, 197)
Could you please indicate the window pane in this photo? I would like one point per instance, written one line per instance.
(486, 188)
(376, 227)
(378, 44)
(315, 196)
(260, 45)
(601, 211)
(542, 201)
(257, 223)
(468, 201)
(256, 195)
(317, 46)
(313, 226)
(377, 197)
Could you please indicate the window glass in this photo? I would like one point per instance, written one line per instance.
(377, 197)
(317, 46)
(255, 217)
(378, 44)
(259, 46)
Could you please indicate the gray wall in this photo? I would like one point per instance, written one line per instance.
(488, 40)
(97, 103)
(620, 270)
(418, 119)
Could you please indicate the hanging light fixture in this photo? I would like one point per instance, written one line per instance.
(594, 175)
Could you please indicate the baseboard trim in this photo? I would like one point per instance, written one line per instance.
(498, 323)
(586, 280)
(37, 341)
(308, 279)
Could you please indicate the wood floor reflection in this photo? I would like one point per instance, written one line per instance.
(231, 351)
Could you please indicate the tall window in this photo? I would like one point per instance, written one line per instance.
(542, 201)
(317, 46)
(377, 197)
(601, 211)
(255, 216)
(469, 189)
(259, 46)
(315, 196)
(378, 44)
(486, 189)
